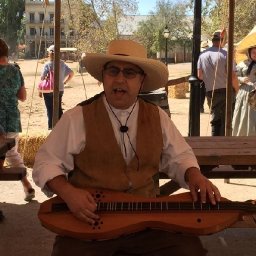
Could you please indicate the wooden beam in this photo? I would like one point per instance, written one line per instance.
(176, 81)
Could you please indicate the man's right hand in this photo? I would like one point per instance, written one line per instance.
(80, 202)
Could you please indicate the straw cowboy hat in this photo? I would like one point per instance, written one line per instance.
(132, 52)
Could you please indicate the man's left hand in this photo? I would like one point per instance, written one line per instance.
(198, 183)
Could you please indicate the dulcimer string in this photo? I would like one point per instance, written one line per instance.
(164, 206)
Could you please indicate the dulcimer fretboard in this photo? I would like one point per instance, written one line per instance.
(165, 206)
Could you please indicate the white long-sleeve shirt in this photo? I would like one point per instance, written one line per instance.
(55, 157)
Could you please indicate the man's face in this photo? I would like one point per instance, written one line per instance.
(122, 88)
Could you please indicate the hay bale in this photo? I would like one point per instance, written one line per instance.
(178, 91)
(31, 143)
(187, 87)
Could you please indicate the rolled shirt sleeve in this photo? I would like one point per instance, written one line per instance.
(55, 156)
(177, 155)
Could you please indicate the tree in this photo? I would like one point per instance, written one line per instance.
(168, 13)
(244, 18)
(215, 16)
(11, 14)
(95, 22)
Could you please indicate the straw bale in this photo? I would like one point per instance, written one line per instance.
(31, 144)
(178, 91)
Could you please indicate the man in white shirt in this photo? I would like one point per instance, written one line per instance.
(118, 142)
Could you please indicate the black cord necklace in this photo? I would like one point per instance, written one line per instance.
(123, 128)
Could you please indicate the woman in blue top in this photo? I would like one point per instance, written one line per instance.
(65, 75)
(11, 90)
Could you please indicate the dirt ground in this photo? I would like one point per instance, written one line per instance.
(21, 233)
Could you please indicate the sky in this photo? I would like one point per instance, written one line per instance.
(145, 6)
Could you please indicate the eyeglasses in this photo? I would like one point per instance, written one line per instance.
(128, 73)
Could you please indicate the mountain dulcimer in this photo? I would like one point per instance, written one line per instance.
(122, 213)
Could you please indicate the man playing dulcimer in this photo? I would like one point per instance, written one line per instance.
(116, 141)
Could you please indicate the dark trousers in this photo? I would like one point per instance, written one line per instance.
(217, 104)
(202, 95)
(146, 243)
(48, 100)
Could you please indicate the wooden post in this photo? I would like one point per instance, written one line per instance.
(229, 100)
(56, 62)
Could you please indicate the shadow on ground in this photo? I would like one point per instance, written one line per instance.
(21, 232)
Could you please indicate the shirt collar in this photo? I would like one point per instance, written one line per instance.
(120, 111)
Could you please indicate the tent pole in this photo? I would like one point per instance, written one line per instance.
(230, 62)
(56, 61)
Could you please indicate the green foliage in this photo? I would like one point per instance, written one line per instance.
(244, 18)
(11, 14)
(215, 16)
(170, 13)
(95, 21)
(22, 31)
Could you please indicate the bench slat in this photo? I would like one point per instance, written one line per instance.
(12, 173)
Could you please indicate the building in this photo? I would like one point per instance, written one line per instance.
(40, 33)
(40, 29)
(128, 24)
(180, 52)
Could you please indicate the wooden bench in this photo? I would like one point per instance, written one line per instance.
(5, 145)
(13, 173)
(8, 174)
(222, 157)
(224, 150)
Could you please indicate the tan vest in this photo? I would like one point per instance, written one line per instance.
(101, 163)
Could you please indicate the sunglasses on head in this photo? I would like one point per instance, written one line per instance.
(128, 73)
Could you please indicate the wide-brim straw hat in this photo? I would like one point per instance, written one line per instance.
(249, 41)
(132, 52)
(242, 55)
(242, 47)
